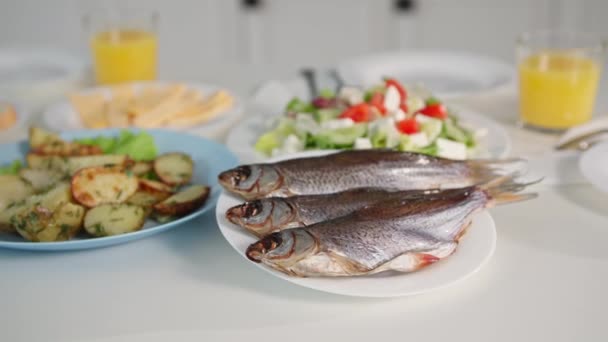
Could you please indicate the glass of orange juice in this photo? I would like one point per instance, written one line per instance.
(123, 45)
(559, 72)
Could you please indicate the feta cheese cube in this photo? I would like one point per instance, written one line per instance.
(451, 149)
(392, 99)
(351, 95)
(414, 104)
(292, 144)
(419, 139)
(398, 115)
(363, 144)
(338, 123)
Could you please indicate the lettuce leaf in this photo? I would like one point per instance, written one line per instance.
(139, 146)
(11, 169)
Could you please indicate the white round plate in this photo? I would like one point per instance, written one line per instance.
(62, 116)
(475, 249)
(445, 73)
(594, 166)
(241, 139)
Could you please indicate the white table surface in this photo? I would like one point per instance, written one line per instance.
(547, 281)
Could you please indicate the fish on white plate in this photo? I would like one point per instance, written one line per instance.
(393, 235)
(267, 215)
(358, 169)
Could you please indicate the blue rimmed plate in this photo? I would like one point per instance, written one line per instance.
(210, 158)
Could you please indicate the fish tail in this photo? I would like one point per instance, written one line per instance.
(485, 170)
(504, 189)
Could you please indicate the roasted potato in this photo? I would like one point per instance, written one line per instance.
(114, 219)
(66, 149)
(39, 137)
(69, 165)
(40, 179)
(77, 163)
(50, 200)
(54, 163)
(141, 168)
(12, 190)
(147, 199)
(41, 224)
(174, 168)
(160, 218)
(97, 185)
(184, 202)
(154, 186)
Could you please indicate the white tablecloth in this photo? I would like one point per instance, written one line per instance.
(547, 280)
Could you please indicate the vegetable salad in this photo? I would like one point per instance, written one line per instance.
(384, 116)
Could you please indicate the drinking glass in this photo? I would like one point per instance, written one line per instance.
(559, 72)
(123, 45)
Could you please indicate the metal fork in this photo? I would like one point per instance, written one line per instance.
(584, 142)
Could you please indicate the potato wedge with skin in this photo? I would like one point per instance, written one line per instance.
(39, 137)
(93, 186)
(12, 189)
(77, 163)
(160, 218)
(55, 163)
(52, 199)
(70, 165)
(184, 202)
(154, 186)
(114, 219)
(66, 149)
(174, 168)
(147, 199)
(40, 224)
(40, 179)
(141, 168)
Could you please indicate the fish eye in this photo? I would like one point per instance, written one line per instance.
(241, 173)
(253, 208)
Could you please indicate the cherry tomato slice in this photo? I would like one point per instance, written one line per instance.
(357, 113)
(393, 82)
(408, 126)
(435, 111)
(377, 101)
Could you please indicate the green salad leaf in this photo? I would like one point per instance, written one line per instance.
(274, 139)
(345, 136)
(323, 115)
(327, 93)
(268, 142)
(139, 146)
(298, 106)
(453, 131)
(11, 169)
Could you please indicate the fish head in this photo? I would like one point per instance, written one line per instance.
(283, 249)
(262, 216)
(251, 181)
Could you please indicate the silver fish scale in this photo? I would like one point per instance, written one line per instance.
(318, 208)
(375, 241)
(394, 170)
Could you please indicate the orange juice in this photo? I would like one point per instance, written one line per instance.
(557, 90)
(124, 55)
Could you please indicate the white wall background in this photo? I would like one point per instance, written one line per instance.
(198, 34)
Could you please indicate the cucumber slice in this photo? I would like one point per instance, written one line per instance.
(268, 142)
(432, 128)
(342, 136)
(324, 115)
(453, 132)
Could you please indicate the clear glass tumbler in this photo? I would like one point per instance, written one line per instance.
(124, 45)
(559, 73)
